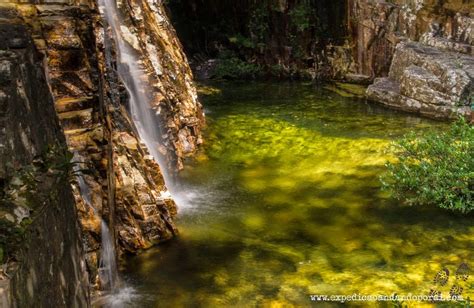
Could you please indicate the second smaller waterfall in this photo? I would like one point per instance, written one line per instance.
(108, 273)
(115, 291)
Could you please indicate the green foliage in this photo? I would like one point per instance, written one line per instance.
(278, 70)
(11, 237)
(435, 168)
(301, 16)
(258, 24)
(230, 66)
(242, 41)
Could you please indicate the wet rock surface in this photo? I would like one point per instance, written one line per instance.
(174, 98)
(127, 186)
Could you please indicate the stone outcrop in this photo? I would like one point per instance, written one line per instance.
(420, 54)
(124, 185)
(376, 27)
(40, 241)
(428, 81)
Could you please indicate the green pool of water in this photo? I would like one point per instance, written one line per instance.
(284, 201)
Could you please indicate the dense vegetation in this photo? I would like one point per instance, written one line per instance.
(252, 38)
(435, 168)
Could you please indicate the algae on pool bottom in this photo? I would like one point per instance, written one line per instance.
(284, 201)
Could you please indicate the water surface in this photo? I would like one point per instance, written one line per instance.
(284, 201)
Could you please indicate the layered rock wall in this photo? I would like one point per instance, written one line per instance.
(40, 242)
(126, 184)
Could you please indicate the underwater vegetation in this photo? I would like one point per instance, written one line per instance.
(284, 201)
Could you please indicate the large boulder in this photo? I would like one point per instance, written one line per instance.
(427, 80)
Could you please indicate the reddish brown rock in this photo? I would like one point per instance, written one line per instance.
(124, 184)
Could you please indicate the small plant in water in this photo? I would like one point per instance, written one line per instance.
(436, 168)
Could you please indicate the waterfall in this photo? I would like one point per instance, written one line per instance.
(118, 293)
(108, 272)
(108, 266)
(132, 75)
(143, 116)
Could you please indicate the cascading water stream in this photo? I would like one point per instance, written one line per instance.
(108, 270)
(143, 116)
(130, 72)
(108, 266)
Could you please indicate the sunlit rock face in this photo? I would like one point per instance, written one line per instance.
(126, 184)
(40, 242)
(378, 26)
(174, 100)
(426, 80)
(433, 77)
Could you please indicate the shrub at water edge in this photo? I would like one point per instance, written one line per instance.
(436, 168)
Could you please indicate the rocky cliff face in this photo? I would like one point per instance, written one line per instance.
(38, 220)
(378, 26)
(121, 182)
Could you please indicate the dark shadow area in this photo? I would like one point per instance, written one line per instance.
(264, 37)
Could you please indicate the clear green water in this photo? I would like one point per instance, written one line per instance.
(284, 201)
